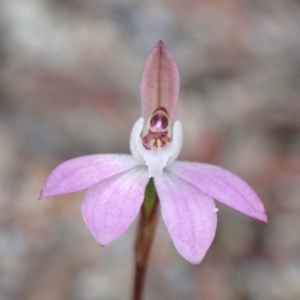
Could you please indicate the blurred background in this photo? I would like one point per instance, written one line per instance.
(70, 72)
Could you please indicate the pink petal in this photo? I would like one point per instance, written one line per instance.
(223, 186)
(111, 205)
(160, 82)
(82, 172)
(188, 214)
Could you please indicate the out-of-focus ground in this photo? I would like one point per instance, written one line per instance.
(69, 85)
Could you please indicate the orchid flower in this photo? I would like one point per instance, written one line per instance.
(186, 190)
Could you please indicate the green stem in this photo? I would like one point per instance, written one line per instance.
(145, 234)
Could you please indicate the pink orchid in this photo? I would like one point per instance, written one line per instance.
(186, 190)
